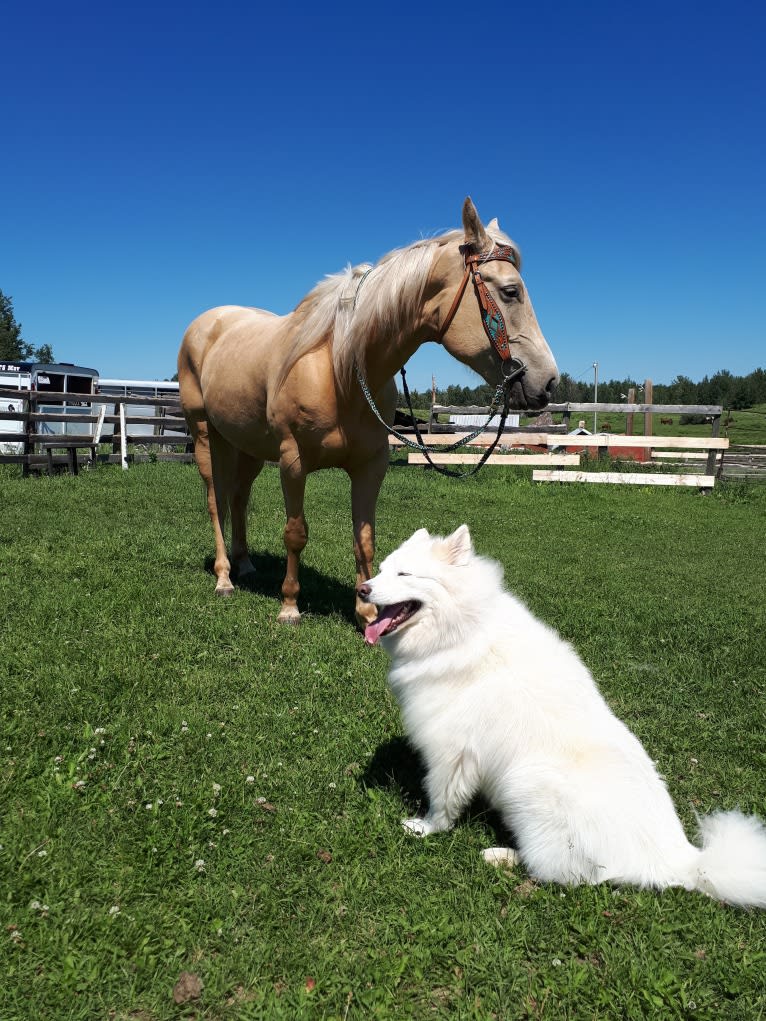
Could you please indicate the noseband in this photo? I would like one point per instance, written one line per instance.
(492, 318)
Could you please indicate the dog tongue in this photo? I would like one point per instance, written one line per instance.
(382, 623)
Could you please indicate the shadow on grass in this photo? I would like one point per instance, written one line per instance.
(396, 766)
(319, 593)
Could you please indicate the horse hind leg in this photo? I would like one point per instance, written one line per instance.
(223, 463)
(247, 470)
(198, 427)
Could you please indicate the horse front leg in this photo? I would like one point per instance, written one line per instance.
(296, 533)
(365, 489)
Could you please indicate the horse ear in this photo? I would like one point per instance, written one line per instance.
(459, 547)
(475, 235)
(493, 224)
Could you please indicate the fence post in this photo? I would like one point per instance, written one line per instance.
(28, 429)
(648, 399)
(123, 439)
(710, 466)
(629, 416)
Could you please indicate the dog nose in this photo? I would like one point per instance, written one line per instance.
(363, 590)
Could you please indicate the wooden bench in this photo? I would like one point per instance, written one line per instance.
(70, 443)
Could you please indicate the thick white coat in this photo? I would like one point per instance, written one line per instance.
(498, 703)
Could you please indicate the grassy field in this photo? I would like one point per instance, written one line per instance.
(189, 787)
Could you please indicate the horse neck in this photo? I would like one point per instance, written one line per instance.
(387, 351)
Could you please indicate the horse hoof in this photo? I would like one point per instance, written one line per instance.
(224, 590)
(289, 615)
(365, 614)
(245, 568)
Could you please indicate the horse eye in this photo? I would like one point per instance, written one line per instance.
(510, 294)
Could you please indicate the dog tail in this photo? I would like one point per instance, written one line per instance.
(731, 864)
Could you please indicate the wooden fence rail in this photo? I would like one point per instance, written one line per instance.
(42, 439)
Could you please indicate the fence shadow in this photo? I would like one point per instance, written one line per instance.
(320, 594)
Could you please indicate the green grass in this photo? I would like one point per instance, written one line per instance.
(291, 890)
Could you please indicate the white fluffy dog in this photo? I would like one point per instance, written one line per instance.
(497, 703)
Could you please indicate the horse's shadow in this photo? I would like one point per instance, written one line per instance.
(320, 594)
(396, 766)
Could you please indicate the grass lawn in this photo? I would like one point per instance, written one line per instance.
(188, 786)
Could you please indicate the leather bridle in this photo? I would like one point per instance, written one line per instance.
(513, 368)
(494, 326)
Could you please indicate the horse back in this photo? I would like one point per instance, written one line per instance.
(204, 341)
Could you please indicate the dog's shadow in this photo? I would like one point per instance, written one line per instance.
(396, 766)
(320, 594)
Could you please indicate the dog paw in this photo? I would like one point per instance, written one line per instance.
(497, 856)
(418, 827)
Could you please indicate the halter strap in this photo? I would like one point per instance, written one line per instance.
(492, 317)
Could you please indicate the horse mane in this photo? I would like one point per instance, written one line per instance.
(354, 307)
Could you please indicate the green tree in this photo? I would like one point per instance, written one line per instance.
(12, 346)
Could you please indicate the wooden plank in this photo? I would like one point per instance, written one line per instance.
(655, 442)
(99, 426)
(529, 459)
(123, 440)
(713, 410)
(542, 439)
(679, 455)
(626, 478)
(150, 439)
(656, 409)
(537, 439)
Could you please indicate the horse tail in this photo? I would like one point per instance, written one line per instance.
(731, 863)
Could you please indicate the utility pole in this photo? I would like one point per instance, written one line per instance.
(595, 395)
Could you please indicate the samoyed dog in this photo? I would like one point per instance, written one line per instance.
(498, 704)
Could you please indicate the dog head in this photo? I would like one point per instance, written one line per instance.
(429, 593)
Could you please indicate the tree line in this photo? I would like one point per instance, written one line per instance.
(13, 348)
(724, 388)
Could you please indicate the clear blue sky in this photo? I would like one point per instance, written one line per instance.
(162, 159)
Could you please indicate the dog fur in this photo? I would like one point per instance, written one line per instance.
(498, 704)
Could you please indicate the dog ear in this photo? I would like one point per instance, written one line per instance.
(459, 547)
(422, 533)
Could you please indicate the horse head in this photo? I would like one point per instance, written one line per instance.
(494, 330)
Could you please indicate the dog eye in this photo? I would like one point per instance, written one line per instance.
(404, 574)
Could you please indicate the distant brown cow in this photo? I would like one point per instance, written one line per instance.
(666, 421)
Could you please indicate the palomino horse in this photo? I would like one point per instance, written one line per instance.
(258, 387)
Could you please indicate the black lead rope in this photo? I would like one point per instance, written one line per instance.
(503, 389)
